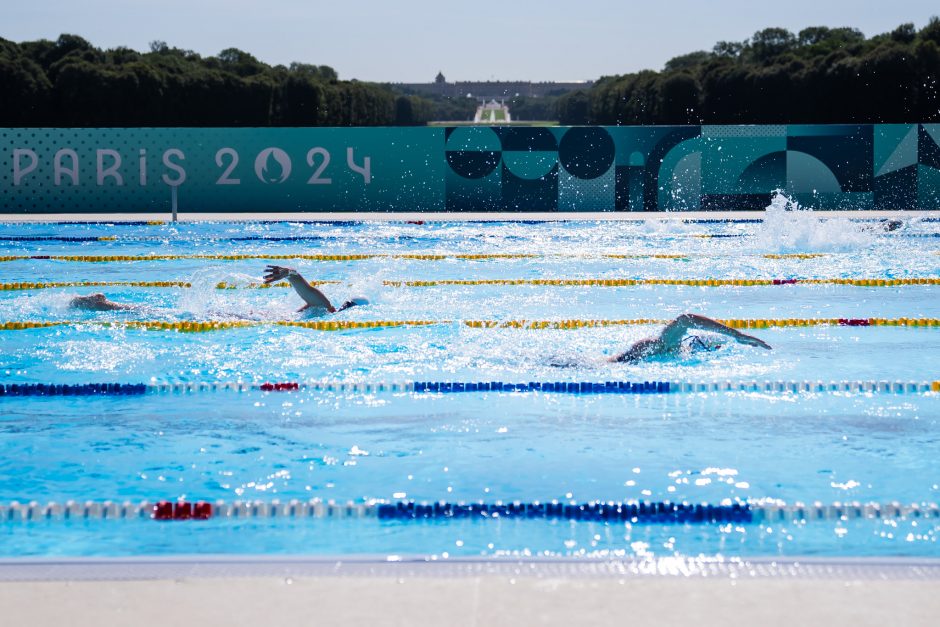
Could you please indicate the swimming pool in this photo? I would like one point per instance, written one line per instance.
(382, 417)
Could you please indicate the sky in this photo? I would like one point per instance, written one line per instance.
(412, 40)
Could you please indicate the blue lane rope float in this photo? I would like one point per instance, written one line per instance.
(73, 389)
(301, 238)
(461, 387)
(633, 512)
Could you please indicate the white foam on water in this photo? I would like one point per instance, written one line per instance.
(788, 227)
(359, 284)
(204, 301)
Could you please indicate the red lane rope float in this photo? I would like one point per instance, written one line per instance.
(290, 386)
(182, 510)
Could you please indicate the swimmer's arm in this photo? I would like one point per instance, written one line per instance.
(311, 295)
(639, 351)
(675, 330)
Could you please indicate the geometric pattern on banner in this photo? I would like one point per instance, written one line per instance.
(468, 168)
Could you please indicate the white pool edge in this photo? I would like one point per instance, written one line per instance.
(355, 566)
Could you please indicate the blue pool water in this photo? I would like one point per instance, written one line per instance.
(489, 446)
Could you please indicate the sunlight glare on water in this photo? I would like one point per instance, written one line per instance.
(349, 445)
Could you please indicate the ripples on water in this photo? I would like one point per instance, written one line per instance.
(496, 446)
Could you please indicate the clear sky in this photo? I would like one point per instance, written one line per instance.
(411, 40)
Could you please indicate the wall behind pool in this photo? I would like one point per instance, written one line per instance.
(455, 169)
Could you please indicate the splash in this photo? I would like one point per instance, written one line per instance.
(205, 302)
(788, 227)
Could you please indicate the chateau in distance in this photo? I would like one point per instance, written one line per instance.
(490, 90)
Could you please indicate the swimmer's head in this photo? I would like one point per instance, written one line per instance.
(354, 302)
(91, 301)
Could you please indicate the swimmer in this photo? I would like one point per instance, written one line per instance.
(885, 225)
(98, 302)
(314, 298)
(670, 342)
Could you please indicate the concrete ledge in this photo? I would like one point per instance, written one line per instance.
(491, 593)
(446, 217)
(216, 566)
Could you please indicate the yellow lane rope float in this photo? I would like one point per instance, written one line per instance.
(117, 258)
(9, 287)
(338, 325)
(361, 257)
(748, 323)
(617, 256)
(6, 287)
(688, 282)
(223, 285)
(219, 325)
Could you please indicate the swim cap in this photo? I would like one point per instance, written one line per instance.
(353, 302)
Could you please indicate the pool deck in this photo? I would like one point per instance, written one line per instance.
(445, 217)
(369, 591)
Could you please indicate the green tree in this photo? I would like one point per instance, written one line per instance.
(770, 43)
(689, 61)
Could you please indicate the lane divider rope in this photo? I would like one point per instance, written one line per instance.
(10, 287)
(361, 257)
(736, 323)
(424, 220)
(240, 257)
(341, 325)
(306, 238)
(456, 387)
(687, 282)
(19, 286)
(220, 325)
(634, 512)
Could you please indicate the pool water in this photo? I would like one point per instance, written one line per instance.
(349, 445)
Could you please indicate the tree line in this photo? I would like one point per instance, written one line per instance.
(819, 75)
(69, 82)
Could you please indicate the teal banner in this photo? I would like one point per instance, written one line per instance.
(468, 168)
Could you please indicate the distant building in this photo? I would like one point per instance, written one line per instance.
(490, 90)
